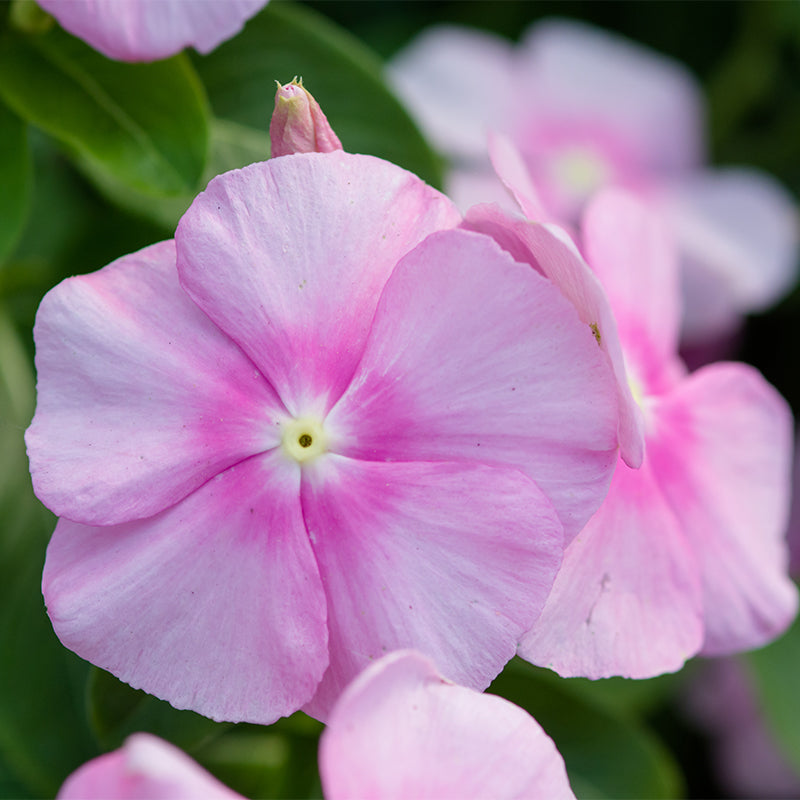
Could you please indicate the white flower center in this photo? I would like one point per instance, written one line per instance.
(304, 439)
(581, 171)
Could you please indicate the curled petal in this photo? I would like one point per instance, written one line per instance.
(401, 730)
(141, 398)
(455, 560)
(214, 605)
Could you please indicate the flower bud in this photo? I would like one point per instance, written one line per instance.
(298, 124)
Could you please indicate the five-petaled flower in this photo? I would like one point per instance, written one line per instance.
(320, 425)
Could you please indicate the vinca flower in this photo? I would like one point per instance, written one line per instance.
(688, 552)
(399, 730)
(149, 30)
(587, 109)
(320, 425)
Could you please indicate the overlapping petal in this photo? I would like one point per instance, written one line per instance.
(148, 30)
(215, 604)
(401, 731)
(255, 252)
(141, 398)
(627, 599)
(455, 560)
(490, 364)
(550, 251)
(722, 455)
(144, 767)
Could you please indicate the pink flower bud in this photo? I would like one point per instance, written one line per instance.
(298, 124)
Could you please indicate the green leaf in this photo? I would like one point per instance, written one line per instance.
(144, 124)
(345, 77)
(774, 670)
(607, 755)
(116, 710)
(43, 732)
(15, 178)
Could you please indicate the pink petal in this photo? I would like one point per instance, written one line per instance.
(550, 251)
(401, 731)
(510, 168)
(214, 605)
(737, 231)
(576, 73)
(455, 560)
(148, 30)
(635, 259)
(144, 767)
(449, 376)
(722, 455)
(141, 399)
(627, 598)
(289, 258)
(458, 84)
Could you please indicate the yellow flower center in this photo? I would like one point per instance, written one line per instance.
(304, 439)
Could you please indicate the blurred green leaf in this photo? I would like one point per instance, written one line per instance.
(116, 710)
(775, 670)
(15, 178)
(607, 755)
(267, 762)
(285, 40)
(232, 146)
(145, 124)
(43, 732)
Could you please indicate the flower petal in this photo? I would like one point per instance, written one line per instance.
(214, 605)
(738, 234)
(400, 730)
(148, 30)
(448, 376)
(550, 251)
(141, 399)
(722, 455)
(458, 83)
(144, 767)
(455, 560)
(627, 598)
(290, 256)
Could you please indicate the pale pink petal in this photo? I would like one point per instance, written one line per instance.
(144, 768)
(148, 30)
(289, 258)
(737, 230)
(400, 731)
(627, 598)
(550, 251)
(468, 186)
(578, 74)
(214, 605)
(721, 453)
(635, 259)
(455, 560)
(458, 84)
(475, 357)
(141, 398)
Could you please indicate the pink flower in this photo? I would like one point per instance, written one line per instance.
(399, 730)
(148, 30)
(686, 554)
(587, 109)
(316, 427)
